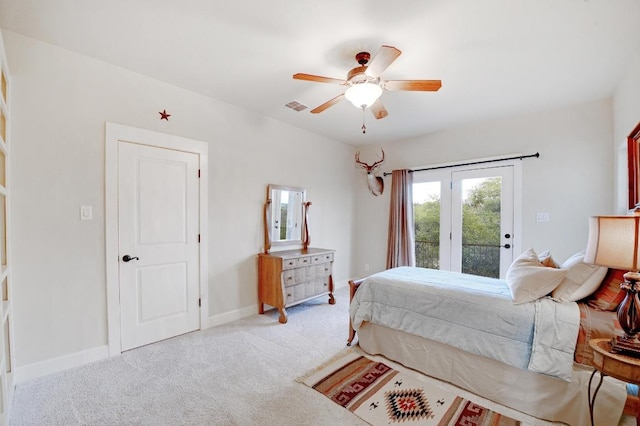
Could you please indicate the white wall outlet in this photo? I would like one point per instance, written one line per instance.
(86, 212)
(366, 267)
(542, 217)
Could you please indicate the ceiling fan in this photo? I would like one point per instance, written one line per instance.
(364, 85)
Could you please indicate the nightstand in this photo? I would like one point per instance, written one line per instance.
(622, 367)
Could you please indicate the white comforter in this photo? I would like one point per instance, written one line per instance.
(471, 313)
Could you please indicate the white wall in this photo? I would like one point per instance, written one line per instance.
(571, 180)
(61, 101)
(626, 110)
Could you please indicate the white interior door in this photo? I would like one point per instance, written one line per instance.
(482, 221)
(158, 221)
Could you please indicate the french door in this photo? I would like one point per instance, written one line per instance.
(465, 219)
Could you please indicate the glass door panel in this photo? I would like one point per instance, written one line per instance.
(426, 218)
(482, 221)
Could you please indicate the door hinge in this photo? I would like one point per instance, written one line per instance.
(198, 237)
(198, 172)
(200, 302)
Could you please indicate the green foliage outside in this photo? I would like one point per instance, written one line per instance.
(284, 208)
(481, 214)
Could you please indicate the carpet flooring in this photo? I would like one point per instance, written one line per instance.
(241, 373)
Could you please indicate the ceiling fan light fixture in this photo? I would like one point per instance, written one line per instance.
(363, 95)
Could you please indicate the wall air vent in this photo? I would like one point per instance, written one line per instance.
(296, 106)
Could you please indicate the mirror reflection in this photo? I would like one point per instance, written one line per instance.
(287, 220)
(284, 215)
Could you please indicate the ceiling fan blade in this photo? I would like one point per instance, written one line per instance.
(327, 104)
(318, 78)
(413, 85)
(378, 110)
(385, 56)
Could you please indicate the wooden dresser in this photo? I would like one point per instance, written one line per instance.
(290, 277)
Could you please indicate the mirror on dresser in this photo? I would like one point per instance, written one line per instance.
(292, 273)
(285, 217)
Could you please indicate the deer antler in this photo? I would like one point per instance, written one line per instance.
(367, 167)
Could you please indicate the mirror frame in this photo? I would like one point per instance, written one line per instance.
(268, 207)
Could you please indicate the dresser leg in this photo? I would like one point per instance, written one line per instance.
(261, 308)
(332, 300)
(283, 316)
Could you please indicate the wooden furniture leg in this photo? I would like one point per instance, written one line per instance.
(332, 300)
(283, 315)
(353, 287)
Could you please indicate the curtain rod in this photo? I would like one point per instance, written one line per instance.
(520, 157)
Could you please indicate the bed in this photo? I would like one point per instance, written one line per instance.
(532, 356)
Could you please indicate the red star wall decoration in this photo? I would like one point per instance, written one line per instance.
(164, 115)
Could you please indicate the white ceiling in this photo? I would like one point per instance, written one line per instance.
(494, 57)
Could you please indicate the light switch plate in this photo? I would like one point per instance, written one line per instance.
(542, 217)
(86, 212)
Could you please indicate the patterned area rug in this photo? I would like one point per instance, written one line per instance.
(380, 395)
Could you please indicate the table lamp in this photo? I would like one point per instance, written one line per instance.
(613, 242)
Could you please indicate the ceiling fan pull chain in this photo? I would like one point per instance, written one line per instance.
(364, 128)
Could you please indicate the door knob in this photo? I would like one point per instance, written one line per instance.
(127, 258)
(506, 246)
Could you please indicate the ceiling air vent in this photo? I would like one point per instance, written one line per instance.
(296, 106)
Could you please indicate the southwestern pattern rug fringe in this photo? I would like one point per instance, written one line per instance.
(381, 395)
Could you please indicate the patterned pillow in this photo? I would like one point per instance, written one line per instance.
(594, 324)
(609, 295)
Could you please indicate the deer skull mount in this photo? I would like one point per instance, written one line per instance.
(376, 183)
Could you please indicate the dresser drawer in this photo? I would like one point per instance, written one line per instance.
(303, 261)
(289, 263)
(321, 285)
(322, 270)
(289, 296)
(321, 258)
(288, 277)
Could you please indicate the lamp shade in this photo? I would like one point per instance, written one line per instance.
(613, 242)
(363, 95)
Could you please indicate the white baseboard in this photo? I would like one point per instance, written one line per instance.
(250, 310)
(230, 316)
(65, 362)
(61, 363)
(338, 284)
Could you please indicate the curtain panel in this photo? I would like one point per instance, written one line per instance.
(401, 238)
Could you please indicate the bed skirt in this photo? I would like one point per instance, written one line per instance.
(534, 394)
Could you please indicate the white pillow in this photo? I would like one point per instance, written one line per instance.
(529, 280)
(582, 279)
(547, 260)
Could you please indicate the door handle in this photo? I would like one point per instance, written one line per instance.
(127, 258)
(506, 246)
